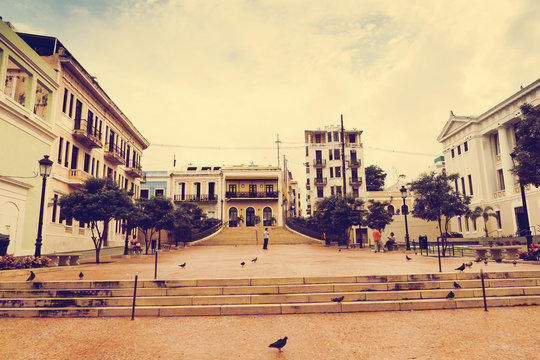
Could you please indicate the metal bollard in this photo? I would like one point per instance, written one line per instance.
(134, 297)
(483, 289)
(155, 267)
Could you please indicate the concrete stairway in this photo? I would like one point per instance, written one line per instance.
(254, 236)
(266, 295)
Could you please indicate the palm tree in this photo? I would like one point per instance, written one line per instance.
(485, 213)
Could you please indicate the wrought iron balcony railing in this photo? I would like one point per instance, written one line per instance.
(251, 195)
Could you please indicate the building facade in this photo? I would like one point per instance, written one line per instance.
(28, 98)
(324, 165)
(93, 138)
(478, 148)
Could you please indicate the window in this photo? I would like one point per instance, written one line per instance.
(452, 151)
(97, 168)
(459, 223)
(352, 138)
(455, 185)
(66, 163)
(354, 173)
(55, 207)
(336, 136)
(74, 156)
(353, 157)
(330, 157)
(470, 184)
(331, 190)
(78, 110)
(463, 185)
(338, 190)
(329, 136)
(159, 192)
(338, 171)
(496, 143)
(336, 154)
(465, 146)
(331, 172)
(60, 143)
(467, 224)
(307, 151)
(501, 179)
(86, 164)
(355, 191)
(459, 150)
(93, 166)
(41, 101)
(16, 84)
(318, 138)
(499, 224)
(390, 209)
(320, 192)
(474, 224)
(64, 101)
(269, 189)
(71, 105)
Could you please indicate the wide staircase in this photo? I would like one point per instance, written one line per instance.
(254, 236)
(267, 295)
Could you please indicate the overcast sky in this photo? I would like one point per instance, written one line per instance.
(234, 74)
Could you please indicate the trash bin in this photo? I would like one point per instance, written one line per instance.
(4, 243)
(422, 242)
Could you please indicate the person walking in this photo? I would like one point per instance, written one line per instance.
(377, 239)
(265, 236)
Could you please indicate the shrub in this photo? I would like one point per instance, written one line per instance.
(10, 262)
(532, 254)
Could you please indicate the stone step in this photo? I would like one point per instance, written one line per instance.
(267, 309)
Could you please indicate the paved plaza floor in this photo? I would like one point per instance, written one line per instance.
(500, 333)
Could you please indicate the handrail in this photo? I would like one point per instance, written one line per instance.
(202, 234)
(83, 124)
(305, 231)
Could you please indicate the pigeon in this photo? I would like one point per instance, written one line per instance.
(279, 343)
(32, 276)
(456, 285)
(477, 260)
(485, 261)
(461, 268)
(339, 250)
(514, 262)
(407, 257)
(81, 275)
(469, 264)
(338, 299)
(242, 263)
(182, 265)
(254, 260)
(450, 295)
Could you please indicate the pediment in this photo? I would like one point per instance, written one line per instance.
(453, 125)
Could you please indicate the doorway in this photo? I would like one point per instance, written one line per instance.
(250, 216)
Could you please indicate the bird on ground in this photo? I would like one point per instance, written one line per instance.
(456, 285)
(339, 250)
(469, 264)
(514, 262)
(182, 265)
(32, 276)
(477, 260)
(279, 343)
(254, 260)
(338, 299)
(450, 295)
(407, 257)
(81, 275)
(242, 263)
(461, 268)
(485, 262)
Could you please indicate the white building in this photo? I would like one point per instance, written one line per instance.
(478, 149)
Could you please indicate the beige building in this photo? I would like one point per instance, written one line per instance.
(93, 138)
(478, 149)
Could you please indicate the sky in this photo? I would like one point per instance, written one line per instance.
(215, 82)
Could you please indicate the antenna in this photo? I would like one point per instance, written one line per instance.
(278, 142)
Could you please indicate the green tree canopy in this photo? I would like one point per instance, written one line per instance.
(436, 200)
(527, 150)
(378, 216)
(101, 200)
(485, 213)
(375, 177)
(336, 214)
(157, 215)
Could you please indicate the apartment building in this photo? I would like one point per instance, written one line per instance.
(28, 98)
(324, 164)
(93, 138)
(478, 148)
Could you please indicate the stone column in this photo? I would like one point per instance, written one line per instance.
(506, 160)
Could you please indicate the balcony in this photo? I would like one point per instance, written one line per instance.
(251, 195)
(87, 134)
(319, 163)
(319, 181)
(197, 198)
(76, 178)
(354, 163)
(355, 181)
(113, 154)
(134, 170)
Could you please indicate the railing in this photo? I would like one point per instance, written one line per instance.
(354, 163)
(134, 165)
(87, 133)
(319, 162)
(114, 153)
(305, 231)
(251, 195)
(319, 181)
(355, 181)
(114, 148)
(195, 198)
(200, 235)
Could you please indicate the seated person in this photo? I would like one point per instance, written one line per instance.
(390, 242)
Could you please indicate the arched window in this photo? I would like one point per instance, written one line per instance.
(233, 217)
(267, 216)
(250, 216)
(404, 209)
(390, 209)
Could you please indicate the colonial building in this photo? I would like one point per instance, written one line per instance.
(324, 164)
(28, 105)
(478, 148)
(93, 138)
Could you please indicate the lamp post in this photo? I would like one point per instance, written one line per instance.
(45, 167)
(403, 192)
(527, 231)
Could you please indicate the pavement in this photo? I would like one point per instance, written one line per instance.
(501, 333)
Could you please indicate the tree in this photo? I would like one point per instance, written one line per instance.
(375, 177)
(186, 217)
(101, 200)
(484, 213)
(436, 200)
(133, 217)
(527, 151)
(378, 216)
(156, 216)
(336, 214)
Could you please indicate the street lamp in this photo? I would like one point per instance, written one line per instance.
(45, 167)
(405, 210)
(527, 231)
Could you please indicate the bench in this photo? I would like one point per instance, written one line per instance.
(496, 252)
(68, 259)
(54, 260)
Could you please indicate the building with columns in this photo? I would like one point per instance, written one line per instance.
(478, 148)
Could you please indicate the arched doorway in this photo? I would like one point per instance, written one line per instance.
(250, 216)
(390, 209)
(233, 217)
(267, 216)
